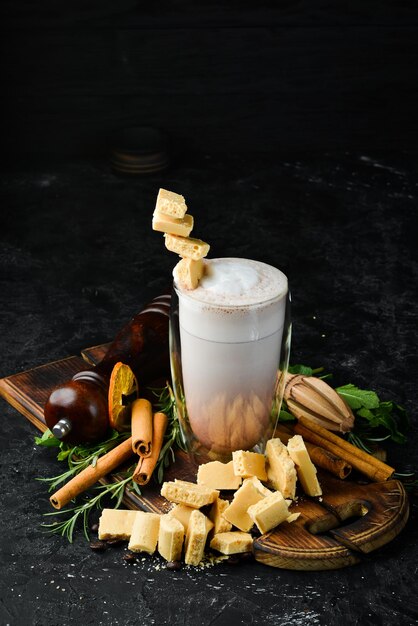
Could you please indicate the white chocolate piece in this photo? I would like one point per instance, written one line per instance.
(236, 512)
(305, 469)
(183, 492)
(292, 517)
(281, 470)
(188, 272)
(218, 475)
(175, 226)
(170, 203)
(269, 512)
(196, 538)
(116, 524)
(258, 485)
(249, 464)
(220, 524)
(186, 246)
(170, 538)
(232, 543)
(182, 513)
(145, 530)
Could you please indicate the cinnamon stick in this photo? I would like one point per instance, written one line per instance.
(365, 463)
(320, 457)
(146, 466)
(141, 425)
(326, 460)
(89, 476)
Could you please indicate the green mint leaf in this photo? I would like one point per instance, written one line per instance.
(63, 454)
(383, 416)
(366, 413)
(305, 370)
(398, 437)
(47, 440)
(357, 398)
(386, 418)
(285, 416)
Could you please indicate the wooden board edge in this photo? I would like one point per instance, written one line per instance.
(333, 557)
(21, 408)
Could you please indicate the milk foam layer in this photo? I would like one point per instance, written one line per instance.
(238, 282)
(236, 300)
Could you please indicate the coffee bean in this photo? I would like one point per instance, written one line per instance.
(94, 528)
(129, 558)
(98, 546)
(174, 565)
(232, 560)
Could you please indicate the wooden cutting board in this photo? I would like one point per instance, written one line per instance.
(334, 531)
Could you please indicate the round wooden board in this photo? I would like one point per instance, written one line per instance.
(335, 530)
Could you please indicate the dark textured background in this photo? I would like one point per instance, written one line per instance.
(293, 137)
(224, 76)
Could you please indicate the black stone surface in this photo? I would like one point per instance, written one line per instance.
(78, 258)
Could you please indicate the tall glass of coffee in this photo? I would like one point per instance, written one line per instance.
(229, 346)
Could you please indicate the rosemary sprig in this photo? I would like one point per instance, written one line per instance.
(173, 437)
(82, 511)
(78, 457)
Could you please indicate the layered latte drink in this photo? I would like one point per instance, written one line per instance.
(231, 331)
